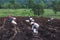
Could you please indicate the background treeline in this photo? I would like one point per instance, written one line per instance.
(37, 6)
(14, 4)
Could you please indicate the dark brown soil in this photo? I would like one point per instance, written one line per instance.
(47, 30)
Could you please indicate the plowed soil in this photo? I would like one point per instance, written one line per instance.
(47, 30)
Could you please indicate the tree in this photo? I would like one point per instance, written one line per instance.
(12, 1)
(38, 9)
(30, 3)
(0, 4)
(53, 6)
(15, 5)
(11, 5)
(43, 4)
(56, 6)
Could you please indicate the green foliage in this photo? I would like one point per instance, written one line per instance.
(27, 12)
(56, 6)
(38, 9)
(5, 5)
(0, 6)
(12, 1)
(11, 6)
(50, 13)
(15, 12)
(30, 3)
(43, 4)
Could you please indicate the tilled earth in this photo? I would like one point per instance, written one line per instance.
(47, 30)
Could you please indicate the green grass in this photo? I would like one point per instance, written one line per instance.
(27, 12)
(16, 12)
(50, 13)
